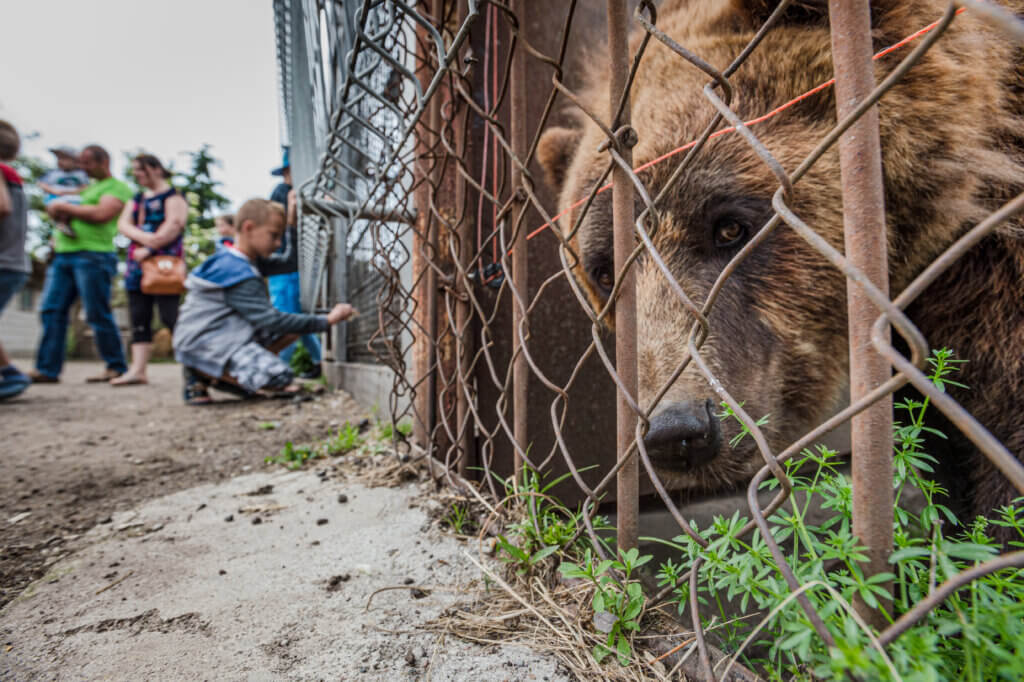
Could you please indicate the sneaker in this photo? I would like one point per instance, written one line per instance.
(313, 373)
(12, 382)
(38, 377)
(66, 230)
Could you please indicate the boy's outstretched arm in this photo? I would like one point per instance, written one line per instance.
(249, 299)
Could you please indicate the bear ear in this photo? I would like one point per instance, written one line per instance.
(555, 151)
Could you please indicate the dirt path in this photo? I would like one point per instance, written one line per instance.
(76, 453)
(145, 540)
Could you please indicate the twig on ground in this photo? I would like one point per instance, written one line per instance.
(116, 582)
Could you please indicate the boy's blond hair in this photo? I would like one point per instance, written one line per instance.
(260, 212)
(10, 142)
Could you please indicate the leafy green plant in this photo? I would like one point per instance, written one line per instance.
(348, 439)
(294, 456)
(623, 599)
(547, 526)
(458, 518)
(976, 634)
(268, 426)
(301, 361)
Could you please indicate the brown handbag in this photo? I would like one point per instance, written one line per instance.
(162, 274)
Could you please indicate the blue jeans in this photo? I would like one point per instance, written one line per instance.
(87, 274)
(284, 294)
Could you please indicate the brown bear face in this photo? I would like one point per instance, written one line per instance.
(777, 338)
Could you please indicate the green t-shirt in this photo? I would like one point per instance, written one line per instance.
(95, 236)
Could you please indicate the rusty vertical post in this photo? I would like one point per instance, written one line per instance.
(860, 158)
(463, 311)
(628, 488)
(425, 286)
(520, 258)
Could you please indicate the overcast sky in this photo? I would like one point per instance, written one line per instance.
(162, 76)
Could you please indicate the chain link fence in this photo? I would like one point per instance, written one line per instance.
(608, 241)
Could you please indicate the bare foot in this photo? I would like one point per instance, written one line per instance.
(129, 379)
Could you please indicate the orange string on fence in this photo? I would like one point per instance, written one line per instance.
(774, 112)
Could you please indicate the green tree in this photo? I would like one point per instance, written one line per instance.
(201, 191)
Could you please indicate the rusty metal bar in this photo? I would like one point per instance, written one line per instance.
(628, 479)
(860, 158)
(464, 338)
(354, 210)
(520, 256)
(433, 228)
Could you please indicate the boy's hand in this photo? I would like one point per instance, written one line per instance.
(340, 312)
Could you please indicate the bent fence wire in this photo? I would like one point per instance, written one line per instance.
(428, 209)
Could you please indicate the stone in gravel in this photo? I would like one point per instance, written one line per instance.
(321, 522)
(262, 490)
(256, 521)
(106, 519)
(417, 593)
(222, 572)
(420, 653)
(409, 581)
(335, 581)
(410, 657)
(343, 498)
(229, 517)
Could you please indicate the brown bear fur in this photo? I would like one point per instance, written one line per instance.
(952, 152)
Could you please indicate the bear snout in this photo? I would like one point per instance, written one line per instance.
(684, 435)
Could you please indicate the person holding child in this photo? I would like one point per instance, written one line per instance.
(155, 222)
(228, 333)
(84, 267)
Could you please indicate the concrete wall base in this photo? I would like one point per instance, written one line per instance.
(370, 385)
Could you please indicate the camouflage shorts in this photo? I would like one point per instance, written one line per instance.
(254, 368)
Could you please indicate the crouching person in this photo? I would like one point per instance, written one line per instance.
(228, 334)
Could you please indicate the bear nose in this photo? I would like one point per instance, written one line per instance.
(684, 434)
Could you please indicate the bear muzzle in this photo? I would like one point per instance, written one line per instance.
(684, 435)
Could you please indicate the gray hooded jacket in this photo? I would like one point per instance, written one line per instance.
(227, 307)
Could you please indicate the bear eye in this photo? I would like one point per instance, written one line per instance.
(605, 279)
(729, 232)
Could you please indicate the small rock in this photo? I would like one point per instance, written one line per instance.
(201, 507)
(417, 593)
(420, 652)
(408, 581)
(229, 517)
(315, 543)
(410, 658)
(106, 519)
(222, 572)
(256, 520)
(342, 498)
(157, 527)
(262, 490)
(321, 522)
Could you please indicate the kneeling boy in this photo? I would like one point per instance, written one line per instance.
(227, 329)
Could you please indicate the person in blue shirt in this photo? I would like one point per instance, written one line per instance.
(282, 269)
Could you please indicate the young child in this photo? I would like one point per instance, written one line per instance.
(225, 226)
(64, 182)
(228, 333)
(14, 264)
